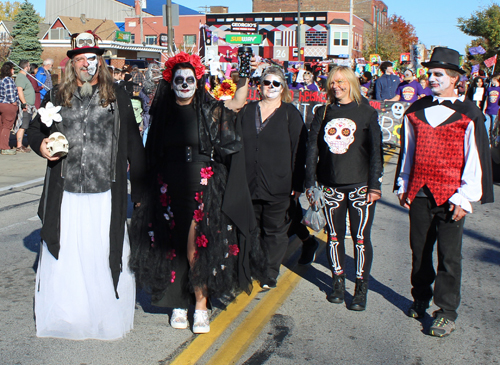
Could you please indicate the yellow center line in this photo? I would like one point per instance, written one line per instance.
(202, 343)
(244, 335)
(250, 328)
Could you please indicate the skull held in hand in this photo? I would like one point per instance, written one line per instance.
(57, 145)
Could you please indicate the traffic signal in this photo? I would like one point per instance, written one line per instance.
(208, 37)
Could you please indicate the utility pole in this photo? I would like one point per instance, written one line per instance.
(351, 36)
(298, 31)
(169, 26)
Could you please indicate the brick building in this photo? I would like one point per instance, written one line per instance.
(365, 9)
(325, 34)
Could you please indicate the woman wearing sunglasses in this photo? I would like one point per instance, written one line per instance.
(344, 157)
(274, 137)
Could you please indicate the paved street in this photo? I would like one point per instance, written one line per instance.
(292, 324)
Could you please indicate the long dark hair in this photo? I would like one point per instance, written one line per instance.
(6, 70)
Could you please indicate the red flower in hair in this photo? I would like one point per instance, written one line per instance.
(183, 57)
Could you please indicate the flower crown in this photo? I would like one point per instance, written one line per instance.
(183, 57)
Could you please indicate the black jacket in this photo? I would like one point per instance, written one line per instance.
(275, 157)
(127, 147)
(358, 162)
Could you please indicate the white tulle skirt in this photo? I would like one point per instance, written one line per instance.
(74, 295)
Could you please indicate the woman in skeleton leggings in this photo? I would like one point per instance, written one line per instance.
(344, 158)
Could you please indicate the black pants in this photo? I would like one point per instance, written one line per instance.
(429, 223)
(337, 202)
(273, 222)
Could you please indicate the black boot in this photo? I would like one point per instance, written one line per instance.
(337, 294)
(359, 301)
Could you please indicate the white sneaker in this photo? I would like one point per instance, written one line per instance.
(201, 324)
(179, 319)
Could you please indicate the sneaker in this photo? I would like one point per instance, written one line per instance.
(309, 248)
(179, 319)
(441, 327)
(201, 323)
(417, 309)
(269, 283)
(11, 151)
(23, 149)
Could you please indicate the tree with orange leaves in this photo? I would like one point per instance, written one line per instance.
(404, 31)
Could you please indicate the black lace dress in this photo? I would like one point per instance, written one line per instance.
(196, 172)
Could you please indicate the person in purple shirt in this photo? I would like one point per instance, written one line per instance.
(492, 99)
(309, 83)
(366, 85)
(424, 82)
(409, 90)
(294, 85)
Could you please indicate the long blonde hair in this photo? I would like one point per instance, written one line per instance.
(68, 86)
(350, 76)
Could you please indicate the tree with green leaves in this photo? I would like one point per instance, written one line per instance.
(25, 43)
(9, 10)
(485, 25)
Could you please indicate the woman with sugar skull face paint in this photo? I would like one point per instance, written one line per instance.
(197, 177)
(274, 136)
(344, 157)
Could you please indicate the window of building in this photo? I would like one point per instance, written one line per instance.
(258, 19)
(189, 39)
(58, 33)
(345, 38)
(278, 19)
(151, 39)
(4, 36)
(268, 19)
(278, 39)
(336, 38)
(132, 38)
(319, 18)
(340, 38)
(239, 19)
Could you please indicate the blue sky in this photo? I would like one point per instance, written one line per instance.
(434, 20)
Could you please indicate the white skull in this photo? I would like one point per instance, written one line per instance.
(85, 40)
(398, 110)
(58, 145)
(339, 134)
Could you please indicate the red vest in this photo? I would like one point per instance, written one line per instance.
(439, 158)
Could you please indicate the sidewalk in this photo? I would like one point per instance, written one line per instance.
(21, 168)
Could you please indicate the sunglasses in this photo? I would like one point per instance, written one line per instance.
(274, 82)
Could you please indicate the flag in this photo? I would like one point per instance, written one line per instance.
(490, 61)
(475, 68)
(477, 50)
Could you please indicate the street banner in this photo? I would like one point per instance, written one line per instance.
(390, 113)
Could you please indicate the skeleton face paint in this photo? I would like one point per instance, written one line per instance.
(92, 61)
(272, 91)
(339, 134)
(440, 83)
(184, 83)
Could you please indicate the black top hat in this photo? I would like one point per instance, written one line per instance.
(444, 58)
(85, 42)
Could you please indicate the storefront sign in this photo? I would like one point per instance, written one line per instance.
(244, 27)
(243, 39)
